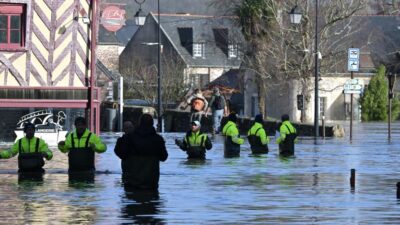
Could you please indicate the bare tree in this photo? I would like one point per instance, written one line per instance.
(384, 7)
(141, 81)
(281, 52)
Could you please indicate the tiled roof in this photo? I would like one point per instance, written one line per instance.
(381, 36)
(377, 37)
(183, 30)
(121, 37)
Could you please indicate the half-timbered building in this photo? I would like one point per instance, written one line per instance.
(47, 64)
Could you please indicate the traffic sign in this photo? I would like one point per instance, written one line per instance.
(354, 57)
(353, 86)
(354, 81)
(354, 53)
(353, 65)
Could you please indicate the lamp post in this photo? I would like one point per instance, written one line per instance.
(140, 20)
(93, 113)
(392, 79)
(295, 17)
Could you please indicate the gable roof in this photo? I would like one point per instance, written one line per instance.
(230, 79)
(122, 36)
(377, 37)
(381, 36)
(183, 30)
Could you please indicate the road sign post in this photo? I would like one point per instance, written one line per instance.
(353, 86)
(353, 60)
(353, 66)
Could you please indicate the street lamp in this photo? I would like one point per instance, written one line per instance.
(139, 20)
(140, 16)
(295, 17)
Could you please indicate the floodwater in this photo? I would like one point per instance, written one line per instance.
(311, 188)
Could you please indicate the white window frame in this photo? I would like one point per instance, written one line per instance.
(233, 50)
(199, 80)
(198, 49)
(194, 80)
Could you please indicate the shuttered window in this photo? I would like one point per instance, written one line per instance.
(12, 22)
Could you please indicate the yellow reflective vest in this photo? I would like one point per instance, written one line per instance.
(258, 130)
(286, 129)
(230, 130)
(27, 146)
(94, 140)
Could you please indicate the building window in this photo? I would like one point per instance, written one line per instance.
(198, 49)
(199, 80)
(232, 50)
(12, 30)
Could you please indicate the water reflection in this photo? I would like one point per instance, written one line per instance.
(250, 189)
(286, 159)
(141, 206)
(195, 163)
(25, 179)
(260, 160)
(81, 180)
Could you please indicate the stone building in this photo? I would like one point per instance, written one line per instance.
(378, 42)
(112, 42)
(207, 46)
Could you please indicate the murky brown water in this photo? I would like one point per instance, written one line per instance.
(312, 188)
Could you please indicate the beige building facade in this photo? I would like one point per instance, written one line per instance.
(334, 104)
(46, 59)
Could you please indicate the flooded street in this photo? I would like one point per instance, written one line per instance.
(311, 188)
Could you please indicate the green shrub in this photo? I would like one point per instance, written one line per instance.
(374, 102)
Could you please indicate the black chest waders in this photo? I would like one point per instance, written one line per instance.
(255, 143)
(286, 147)
(143, 172)
(81, 159)
(196, 152)
(30, 161)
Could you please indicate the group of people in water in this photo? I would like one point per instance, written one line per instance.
(80, 144)
(141, 148)
(195, 143)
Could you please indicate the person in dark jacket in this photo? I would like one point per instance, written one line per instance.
(195, 142)
(31, 151)
(143, 151)
(287, 137)
(257, 136)
(126, 128)
(232, 137)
